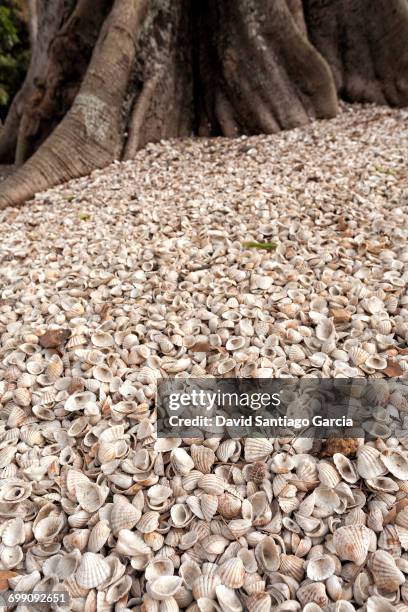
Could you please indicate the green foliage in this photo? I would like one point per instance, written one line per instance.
(14, 52)
(267, 246)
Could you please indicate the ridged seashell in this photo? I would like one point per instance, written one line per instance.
(98, 536)
(215, 544)
(181, 461)
(369, 463)
(325, 329)
(313, 592)
(92, 571)
(17, 417)
(396, 462)
(159, 567)
(119, 589)
(328, 475)
(232, 573)
(296, 353)
(257, 449)
(373, 305)
(254, 584)
(352, 542)
(357, 355)
(205, 586)
(163, 587)
(102, 339)
(55, 367)
(102, 373)
(7, 455)
(239, 527)
(203, 458)
(13, 532)
(345, 468)
(75, 341)
(26, 380)
(382, 483)
(229, 506)
(148, 522)
(267, 554)
(76, 539)
(32, 437)
(320, 568)
(292, 565)
(48, 528)
(180, 515)
(386, 574)
(212, 484)
(22, 397)
(376, 362)
(248, 559)
(208, 506)
(90, 496)
(11, 556)
(189, 571)
(79, 401)
(35, 367)
(259, 602)
(228, 599)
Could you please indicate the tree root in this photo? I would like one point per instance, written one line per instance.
(91, 134)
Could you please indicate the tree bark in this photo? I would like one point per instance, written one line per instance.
(108, 76)
(366, 45)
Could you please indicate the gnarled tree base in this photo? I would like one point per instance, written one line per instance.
(168, 68)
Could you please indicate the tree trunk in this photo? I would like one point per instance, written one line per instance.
(366, 45)
(108, 76)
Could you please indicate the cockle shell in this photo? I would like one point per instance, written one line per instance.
(98, 536)
(328, 475)
(92, 571)
(181, 461)
(267, 554)
(208, 505)
(386, 574)
(55, 367)
(257, 449)
(102, 339)
(212, 484)
(11, 556)
(148, 522)
(48, 528)
(90, 496)
(369, 463)
(13, 532)
(22, 397)
(205, 586)
(228, 506)
(314, 592)
(320, 568)
(228, 599)
(163, 587)
(345, 468)
(123, 516)
(352, 542)
(396, 462)
(203, 458)
(232, 573)
(7, 455)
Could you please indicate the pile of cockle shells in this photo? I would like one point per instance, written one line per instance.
(143, 271)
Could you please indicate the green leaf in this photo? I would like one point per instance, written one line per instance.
(267, 246)
(84, 217)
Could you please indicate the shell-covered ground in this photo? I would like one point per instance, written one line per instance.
(282, 255)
